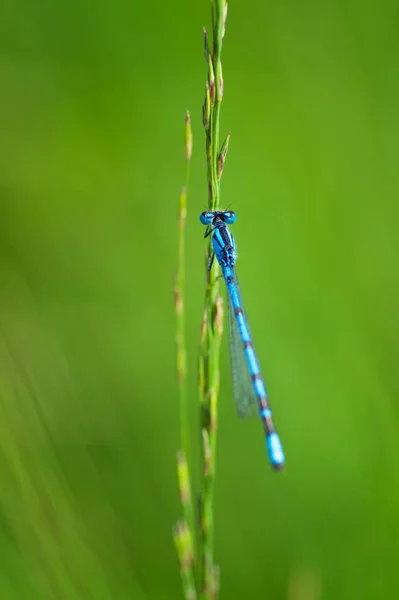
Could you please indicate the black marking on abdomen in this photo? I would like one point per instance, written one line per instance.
(267, 421)
(225, 236)
(238, 311)
(247, 345)
(256, 377)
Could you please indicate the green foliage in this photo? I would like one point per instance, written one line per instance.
(92, 95)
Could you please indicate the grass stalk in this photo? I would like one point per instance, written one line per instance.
(184, 530)
(212, 321)
(181, 355)
(204, 583)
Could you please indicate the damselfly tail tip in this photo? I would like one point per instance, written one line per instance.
(278, 466)
(275, 451)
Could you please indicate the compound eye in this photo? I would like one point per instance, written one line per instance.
(206, 217)
(230, 217)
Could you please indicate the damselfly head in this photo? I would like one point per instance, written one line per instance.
(208, 217)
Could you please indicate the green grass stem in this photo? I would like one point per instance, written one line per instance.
(181, 356)
(212, 320)
(210, 341)
(184, 530)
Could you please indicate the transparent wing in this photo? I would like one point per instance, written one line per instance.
(244, 395)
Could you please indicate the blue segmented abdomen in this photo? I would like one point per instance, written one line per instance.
(273, 443)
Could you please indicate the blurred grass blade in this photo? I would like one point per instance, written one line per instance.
(184, 531)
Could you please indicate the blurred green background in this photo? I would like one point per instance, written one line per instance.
(92, 98)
